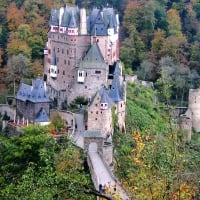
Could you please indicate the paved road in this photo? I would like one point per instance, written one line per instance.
(79, 131)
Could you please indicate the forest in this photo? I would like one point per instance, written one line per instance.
(159, 42)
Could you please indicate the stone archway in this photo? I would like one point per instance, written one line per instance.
(93, 141)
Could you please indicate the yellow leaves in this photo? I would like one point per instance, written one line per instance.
(185, 192)
(139, 141)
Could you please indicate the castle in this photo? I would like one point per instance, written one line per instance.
(81, 53)
(81, 59)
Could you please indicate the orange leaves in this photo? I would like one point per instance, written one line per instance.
(185, 191)
(15, 16)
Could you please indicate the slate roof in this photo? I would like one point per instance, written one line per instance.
(116, 93)
(35, 93)
(70, 16)
(105, 98)
(54, 19)
(117, 71)
(91, 133)
(42, 116)
(72, 22)
(100, 20)
(93, 58)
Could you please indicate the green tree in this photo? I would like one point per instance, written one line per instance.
(18, 70)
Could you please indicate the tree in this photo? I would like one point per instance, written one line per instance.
(35, 166)
(146, 70)
(164, 83)
(18, 69)
(158, 42)
(132, 50)
(15, 16)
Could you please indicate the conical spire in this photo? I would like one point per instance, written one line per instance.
(72, 22)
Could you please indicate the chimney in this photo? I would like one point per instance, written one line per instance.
(83, 22)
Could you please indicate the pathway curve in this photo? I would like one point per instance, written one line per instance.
(79, 130)
(104, 176)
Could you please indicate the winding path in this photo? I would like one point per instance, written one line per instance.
(100, 169)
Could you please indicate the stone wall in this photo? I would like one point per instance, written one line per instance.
(11, 112)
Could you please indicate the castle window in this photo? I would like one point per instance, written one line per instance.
(86, 74)
(68, 62)
(97, 72)
(96, 105)
(86, 87)
(65, 62)
(49, 51)
(58, 50)
(67, 51)
(96, 119)
(91, 112)
(62, 50)
(63, 72)
(97, 112)
(97, 40)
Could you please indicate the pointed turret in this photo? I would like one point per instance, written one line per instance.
(106, 101)
(72, 27)
(64, 22)
(116, 93)
(54, 20)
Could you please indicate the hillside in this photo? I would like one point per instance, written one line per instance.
(152, 159)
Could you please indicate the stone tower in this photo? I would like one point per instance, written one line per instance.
(194, 107)
(100, 113)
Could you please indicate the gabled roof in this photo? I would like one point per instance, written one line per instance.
(42, 116)
(93, 58)
(116, 93)
(35, 93)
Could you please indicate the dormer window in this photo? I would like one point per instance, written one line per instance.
(104, 106)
